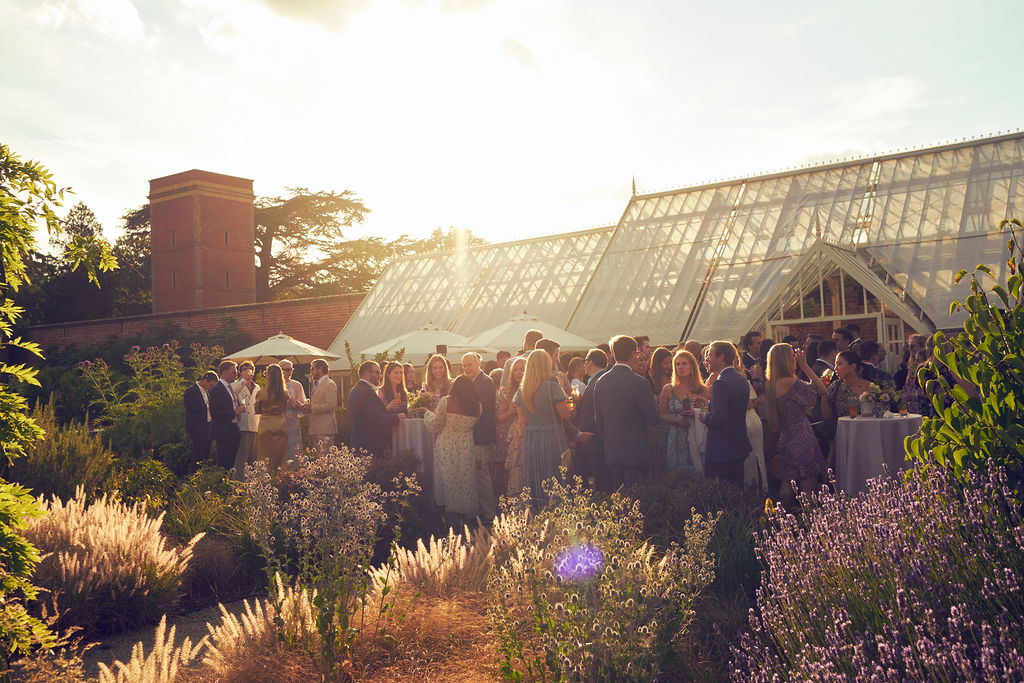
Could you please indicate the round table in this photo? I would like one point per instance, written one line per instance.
(412, 435)
(865, 444)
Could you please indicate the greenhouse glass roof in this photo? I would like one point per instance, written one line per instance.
(699, 262)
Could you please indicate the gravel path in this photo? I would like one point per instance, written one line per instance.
(191, 625)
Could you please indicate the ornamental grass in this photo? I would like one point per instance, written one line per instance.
(915, 579)
(109, 566)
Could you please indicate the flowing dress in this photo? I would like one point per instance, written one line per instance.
(272, 433)
(543, 439)
(454, 460)
(797, 454)
(677, 439)
(514, 448)
(754, 473)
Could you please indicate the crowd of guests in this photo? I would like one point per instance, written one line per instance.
(761, 414)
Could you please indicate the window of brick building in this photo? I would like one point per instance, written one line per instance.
(174, 279)
(227, 279)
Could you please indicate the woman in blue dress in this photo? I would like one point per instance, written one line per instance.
(798, 456)
(541, 405)
(676, 404)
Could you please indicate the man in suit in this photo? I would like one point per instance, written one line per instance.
(224, 411)
(489, 473)
(197, 415)
(826, 358)
(843, 338)
(871, 354)
(248, 422)
(625, 413)
(589, 461)
(371, 421)
(323, 401)
(726, 419)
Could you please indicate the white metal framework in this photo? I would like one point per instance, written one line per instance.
(711, 261)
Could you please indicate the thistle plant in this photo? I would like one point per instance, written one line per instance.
(575, 593)
(317, 527)
(912, 580)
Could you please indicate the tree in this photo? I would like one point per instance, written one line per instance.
(28, 199)
(288, 229)
(989, 353)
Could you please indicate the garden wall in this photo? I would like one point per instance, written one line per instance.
(316, 321)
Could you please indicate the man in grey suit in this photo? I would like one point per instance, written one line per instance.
(625, 414)
(485, 434)
(726, 419)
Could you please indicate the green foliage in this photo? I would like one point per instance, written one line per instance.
(19, 632)
(380, 358)
(143, 410)
(147, 482)
(988, 353)
(576, 594)
(64, 459)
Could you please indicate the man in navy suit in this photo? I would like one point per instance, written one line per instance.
(626, 414)
(371, 421)
(485, 435)
(224, 411)
(197, 415)
(589, 461)
(726, 419)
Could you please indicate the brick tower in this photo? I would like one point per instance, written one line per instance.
(203, 241)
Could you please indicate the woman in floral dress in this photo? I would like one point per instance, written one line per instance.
(508, 420)
(798, 456)
(454, 451)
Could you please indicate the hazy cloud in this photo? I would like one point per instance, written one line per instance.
(457, 6)
(333, 15)
(520, 54)
(112, 18)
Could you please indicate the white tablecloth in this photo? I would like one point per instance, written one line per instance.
(864, 444)
(412, 435)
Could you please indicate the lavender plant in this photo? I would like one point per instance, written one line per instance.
(317, 527)
(575, 594)
(913, 580)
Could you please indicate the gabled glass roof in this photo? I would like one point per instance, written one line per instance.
(699, 261)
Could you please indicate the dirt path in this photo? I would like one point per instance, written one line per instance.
(119, 647)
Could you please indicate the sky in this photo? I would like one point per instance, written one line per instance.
(511, 118)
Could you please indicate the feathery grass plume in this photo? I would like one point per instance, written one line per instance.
(108, 565)
(68, 456)
(290, 622)
(161, 665)
(914, 579)
(456, 562)
(576, 594)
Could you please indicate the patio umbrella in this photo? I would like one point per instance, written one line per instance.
(420, 342)
(281, 347)
(509, 335)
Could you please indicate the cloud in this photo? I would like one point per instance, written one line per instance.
(459, 6)
(520, 54)
(333, 15)
(111, 18)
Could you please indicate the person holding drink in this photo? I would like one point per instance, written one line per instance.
(676, 405)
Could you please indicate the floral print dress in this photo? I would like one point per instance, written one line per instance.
(454, 460)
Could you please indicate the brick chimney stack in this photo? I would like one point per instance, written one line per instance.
(202, 240)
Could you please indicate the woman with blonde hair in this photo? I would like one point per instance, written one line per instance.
(272, 433)
(541, 405)
(798, 456)
(676, 405)
(438, 380)
(509, 432)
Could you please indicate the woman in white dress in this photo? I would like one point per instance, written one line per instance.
(754, 468)
(454, 451)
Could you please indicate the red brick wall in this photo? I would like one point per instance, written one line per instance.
(315, 321)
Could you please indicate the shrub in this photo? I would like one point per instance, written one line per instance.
(109, 566)
(145, 481)
(318, 526)
(66, 458)
(972, 430)
(161, 665)
(576, 594)
(912, 580)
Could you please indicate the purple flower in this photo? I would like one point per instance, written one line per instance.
(166, 346)
(579, 562)
(135, 348)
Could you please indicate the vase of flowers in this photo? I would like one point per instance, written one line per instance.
(878, 398)
(422, 402)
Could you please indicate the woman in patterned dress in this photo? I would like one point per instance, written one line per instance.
(509, 422)
(798, 456)
(454, 451)
(685, 388)
(541, 405)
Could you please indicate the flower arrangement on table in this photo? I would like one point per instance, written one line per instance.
(422, 402)
(880, 397)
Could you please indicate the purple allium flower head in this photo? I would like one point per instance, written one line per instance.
(166, 346)
(135, 348)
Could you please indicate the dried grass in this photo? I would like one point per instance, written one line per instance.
(458, 562)
(162, 665)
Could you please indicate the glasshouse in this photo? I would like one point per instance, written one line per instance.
(874, 239)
